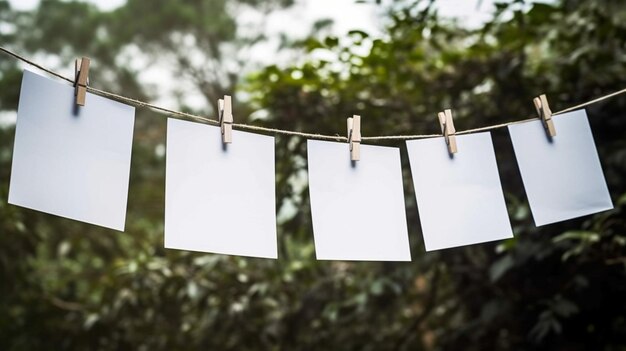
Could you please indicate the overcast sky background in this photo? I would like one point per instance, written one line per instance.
(296, 21)
(347, 14)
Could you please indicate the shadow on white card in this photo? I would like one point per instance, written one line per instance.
(68, 161)
(357, 207)
(563, 178)
(459, 198)
(219, 199)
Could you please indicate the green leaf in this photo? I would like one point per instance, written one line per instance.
(500, 267)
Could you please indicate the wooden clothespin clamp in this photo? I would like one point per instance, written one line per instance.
(81, 71)
(225, 108)
(354, 137)
(447, 129)
(545, 114)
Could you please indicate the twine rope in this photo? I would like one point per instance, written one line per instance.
(248, 127)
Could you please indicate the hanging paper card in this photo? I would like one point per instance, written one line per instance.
(219, 198)
(71, 161)
(459, 198)
(357, 207)
(562, 177)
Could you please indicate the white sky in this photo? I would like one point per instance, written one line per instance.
(347, 14)
(296, 22)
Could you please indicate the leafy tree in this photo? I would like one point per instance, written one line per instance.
(560, 286)
(547, 288)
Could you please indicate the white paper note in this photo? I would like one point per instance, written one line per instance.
(219, 200)
(459, 199)
(563, 178)
(71, 161)
(358, 211)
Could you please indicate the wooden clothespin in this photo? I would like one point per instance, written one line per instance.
(354, 137)
(82, 79)
(447, 129)
(545, 114)
(225, 108)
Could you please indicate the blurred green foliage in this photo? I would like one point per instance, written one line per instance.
(66, 285)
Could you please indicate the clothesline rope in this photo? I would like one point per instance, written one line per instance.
(241, 126)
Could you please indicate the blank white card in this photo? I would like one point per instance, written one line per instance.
(563, 177)
(71, 161)
(357, 208)
(219, 199)
(459, 198)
